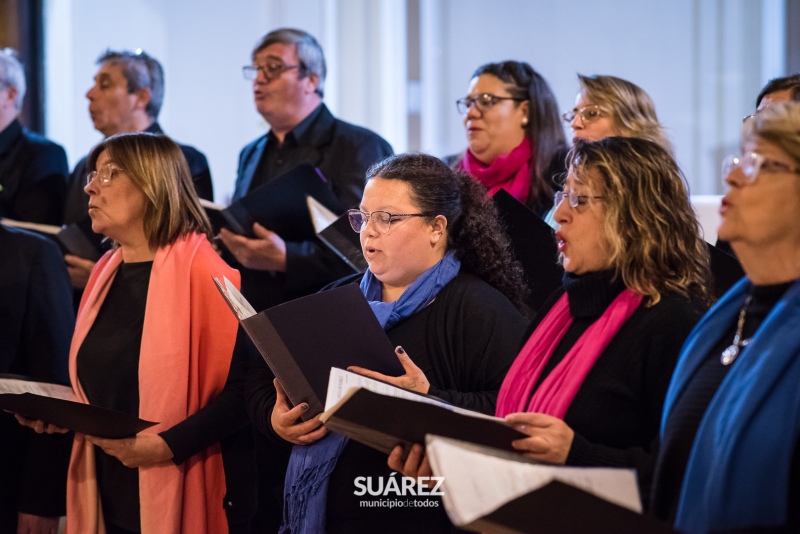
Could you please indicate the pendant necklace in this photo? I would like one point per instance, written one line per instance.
(730, 354)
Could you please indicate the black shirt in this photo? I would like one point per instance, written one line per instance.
(688, 409)
(108, 370)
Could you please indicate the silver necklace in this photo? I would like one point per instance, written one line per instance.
(730, 354)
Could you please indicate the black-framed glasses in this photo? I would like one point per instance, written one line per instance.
(588, 114)
(482, 101)
(751, 163)
(381, 219)
(271, 70)
(573, 197)
(104, 176)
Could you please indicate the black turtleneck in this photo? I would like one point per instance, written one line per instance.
(617, 410)
(689, 408)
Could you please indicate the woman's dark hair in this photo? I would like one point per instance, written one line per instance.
(474, 231)
(544, 130)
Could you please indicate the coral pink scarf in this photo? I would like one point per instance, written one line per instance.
(510, 172)
(184, 362)
(557, 390)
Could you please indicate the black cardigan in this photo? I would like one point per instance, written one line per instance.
(464, 342)
(616, 413)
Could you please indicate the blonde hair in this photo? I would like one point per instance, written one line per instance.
(778, 124)
(631, 108)
(158, 168)
(651, 229)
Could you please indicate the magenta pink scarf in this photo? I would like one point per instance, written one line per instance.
(556, 392)
(510, 172)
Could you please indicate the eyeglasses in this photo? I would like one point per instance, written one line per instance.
(574, 198)
(588, 114)
(381, 219)
(751, 163)
(104, 176)
(271, 71)
(483, 102)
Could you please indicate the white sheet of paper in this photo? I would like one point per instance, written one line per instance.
(11, 385)
(321, 216)
(342, 384)
(241, 307)
(477, 483)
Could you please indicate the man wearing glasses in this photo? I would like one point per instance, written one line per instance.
(126, 97)
(288, 77)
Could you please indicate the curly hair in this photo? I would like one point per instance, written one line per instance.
(474, 231)
(158, 168)
(651, 228)
(632, 110)
(544, 130)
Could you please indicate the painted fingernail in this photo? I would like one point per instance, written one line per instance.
(400, 350)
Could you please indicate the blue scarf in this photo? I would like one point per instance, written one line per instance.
(738, 471)
(310, 466)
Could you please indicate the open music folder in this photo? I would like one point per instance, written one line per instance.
(303, 339)
(489, 490)
(383, 416)
(58, 405)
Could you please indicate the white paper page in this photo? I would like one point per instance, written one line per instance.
(211, 205)
(342, 384)
(10, 385)
(241, 307)
(321, 216)
(36, 227)
(476, 483)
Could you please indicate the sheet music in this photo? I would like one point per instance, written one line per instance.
(479, 480)
(15, 386)
(343, 384)
(235, 299)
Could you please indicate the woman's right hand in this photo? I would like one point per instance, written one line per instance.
(285, 421)
(40, 426)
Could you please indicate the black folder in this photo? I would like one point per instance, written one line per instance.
(302, 339)
(382, 422)
(83, 418)
(533, 245)
(77, 238)
(559, 508)
(280, 205)
(346, 243)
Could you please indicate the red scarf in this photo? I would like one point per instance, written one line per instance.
(510, 172)
(185, 356)
(557, 390)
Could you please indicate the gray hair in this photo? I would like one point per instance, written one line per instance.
(309, 52)
(12, 74)
(141, 71)
(778, 124)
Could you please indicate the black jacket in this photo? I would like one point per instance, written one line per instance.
(33, 176)
(36, 324)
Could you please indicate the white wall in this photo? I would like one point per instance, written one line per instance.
(702, 61)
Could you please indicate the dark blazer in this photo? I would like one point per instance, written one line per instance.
(76, 200)
(36, 324)
(343, 153)
(33, 176)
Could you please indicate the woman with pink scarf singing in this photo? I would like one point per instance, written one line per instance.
(589, 383)
(515, 137)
